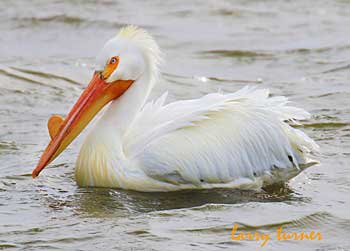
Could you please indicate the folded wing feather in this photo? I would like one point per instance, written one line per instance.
(219, 137)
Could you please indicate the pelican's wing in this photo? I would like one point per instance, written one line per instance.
(156, 120)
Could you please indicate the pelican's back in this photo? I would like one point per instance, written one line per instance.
(219, 141)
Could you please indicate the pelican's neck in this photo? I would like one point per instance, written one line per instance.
(101, 156)
(121, 113)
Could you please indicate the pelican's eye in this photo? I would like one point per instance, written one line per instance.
(110, 67)
(113, 60)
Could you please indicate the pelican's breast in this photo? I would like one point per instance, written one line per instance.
(96, 165)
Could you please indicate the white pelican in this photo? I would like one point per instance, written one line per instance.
(230, 140)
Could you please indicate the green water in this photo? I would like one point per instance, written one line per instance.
(299, 49)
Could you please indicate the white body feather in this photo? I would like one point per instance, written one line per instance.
(220, 140)
(232, 140)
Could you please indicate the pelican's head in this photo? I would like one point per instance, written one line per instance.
(122, 60)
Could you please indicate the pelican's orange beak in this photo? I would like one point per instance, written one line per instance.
(97, 94)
